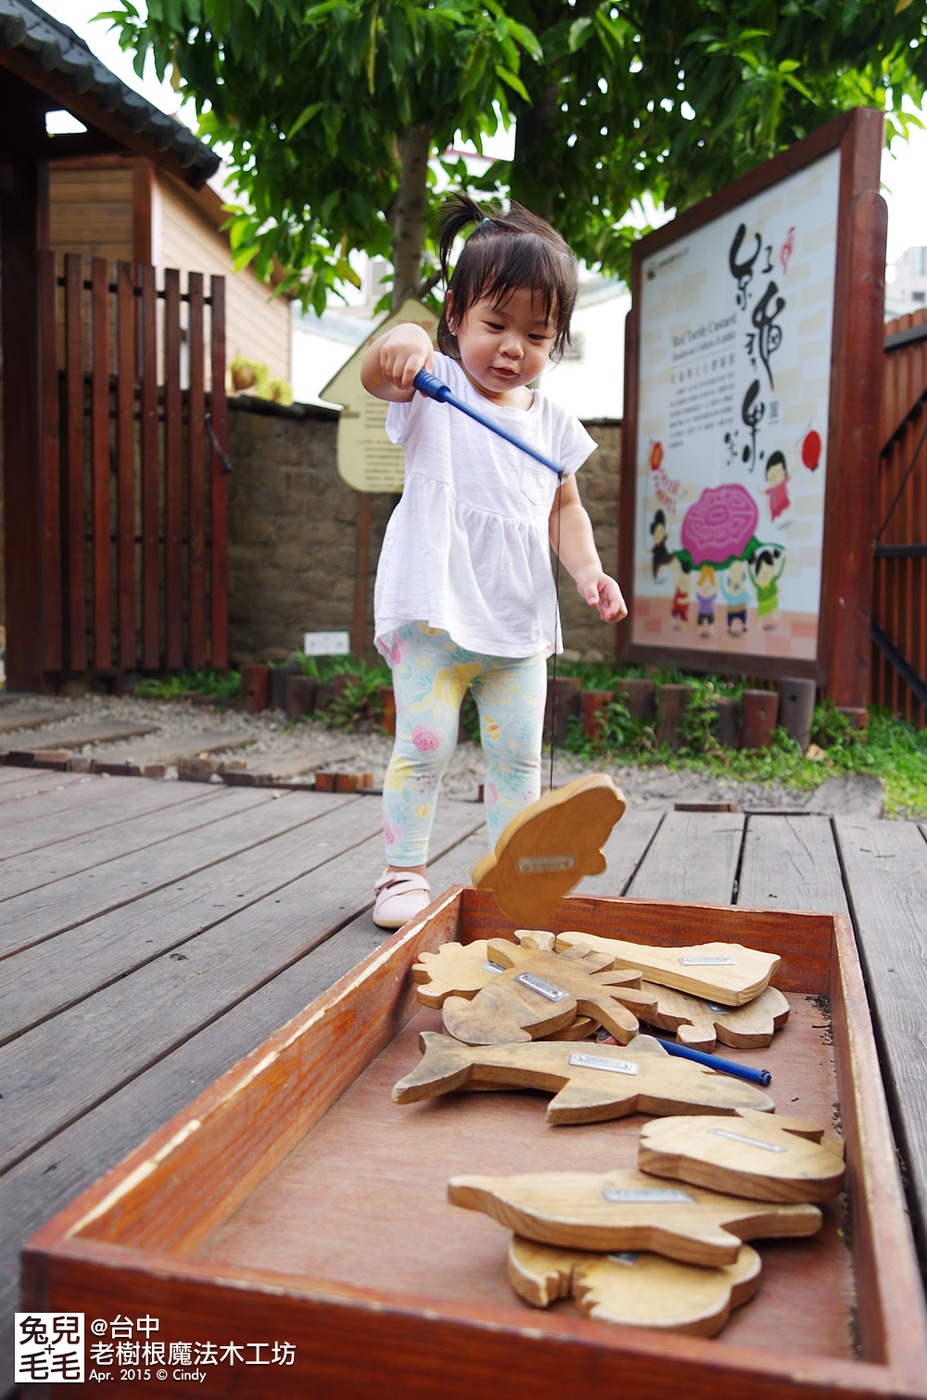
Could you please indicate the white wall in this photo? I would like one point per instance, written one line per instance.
(593, 385)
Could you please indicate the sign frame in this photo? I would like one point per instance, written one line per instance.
(842, 660)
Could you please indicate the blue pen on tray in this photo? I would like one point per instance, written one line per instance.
(754, 1076)
(433, 388)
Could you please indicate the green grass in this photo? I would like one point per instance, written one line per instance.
(890, 749)
(223, 685)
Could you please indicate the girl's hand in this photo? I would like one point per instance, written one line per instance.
(407, 349)
(602, 592)
(391, 363)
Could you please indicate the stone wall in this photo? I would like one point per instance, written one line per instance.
(293, 531)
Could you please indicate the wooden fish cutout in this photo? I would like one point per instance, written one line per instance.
(546, 849)
(763, 1158)
(727, 973)
(626, 1210)
(699, 1024)
(635, 1289)
(542, 993)
(590, 1084)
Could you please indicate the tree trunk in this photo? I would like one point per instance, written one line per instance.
(532, 132)
(408, 214)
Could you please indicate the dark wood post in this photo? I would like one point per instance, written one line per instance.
(796, 708)
(671, 708)
(23, 113)
(853, 452)
(759, 711)
(219, 576)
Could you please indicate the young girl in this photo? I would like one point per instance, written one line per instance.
(465, 594)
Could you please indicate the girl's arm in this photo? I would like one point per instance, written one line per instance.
(572, 538)
(391, 363)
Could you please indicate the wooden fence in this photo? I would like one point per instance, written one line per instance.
(134, 488)
(899, 604)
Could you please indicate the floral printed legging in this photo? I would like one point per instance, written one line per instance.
(431, 674)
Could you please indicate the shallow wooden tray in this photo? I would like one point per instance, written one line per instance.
(294, 1202)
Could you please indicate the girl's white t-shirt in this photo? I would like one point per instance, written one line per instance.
(466, 549)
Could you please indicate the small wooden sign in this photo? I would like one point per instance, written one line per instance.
(699, 1023)
(540, 993)
(589, 1085)
(627, 1210)
(727, 973)
(547, 849)
(763, 1158)
(633, 1288)
(454, 970)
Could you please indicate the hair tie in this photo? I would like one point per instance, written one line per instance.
(486, 221)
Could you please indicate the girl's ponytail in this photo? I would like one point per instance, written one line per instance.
(457, 214)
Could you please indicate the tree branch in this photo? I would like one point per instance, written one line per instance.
(409, 213)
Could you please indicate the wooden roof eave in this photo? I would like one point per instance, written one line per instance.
(88, 108)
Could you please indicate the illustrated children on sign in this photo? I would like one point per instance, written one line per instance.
(465, 594)
(659, 550)
(777, 479)
(706, 591)
(766, 568)
(679, 608)
(737, 596)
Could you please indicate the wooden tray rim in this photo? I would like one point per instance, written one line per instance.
(896, 1271)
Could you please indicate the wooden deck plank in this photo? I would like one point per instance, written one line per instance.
(100, 951)
(291, 763)
(72, 736)
(40, 914)
(625, 850)
(885, 865)
(694, 857)
(168, 748)
(59, 1071)
(96, 850)
(38, 793)
(123, 802)
(30, 719)
(17, 783)
(791, 863)
(351, 944)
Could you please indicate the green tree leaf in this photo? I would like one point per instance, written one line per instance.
(314, 107)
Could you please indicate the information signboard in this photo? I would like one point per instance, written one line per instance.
(742, 395)
(366, 458)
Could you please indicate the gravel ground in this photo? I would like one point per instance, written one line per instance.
(271, 733)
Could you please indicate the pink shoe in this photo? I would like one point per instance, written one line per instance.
(401, 895)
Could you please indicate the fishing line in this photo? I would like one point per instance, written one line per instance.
(433, 388)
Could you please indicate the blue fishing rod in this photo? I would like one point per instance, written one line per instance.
(433, 388)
